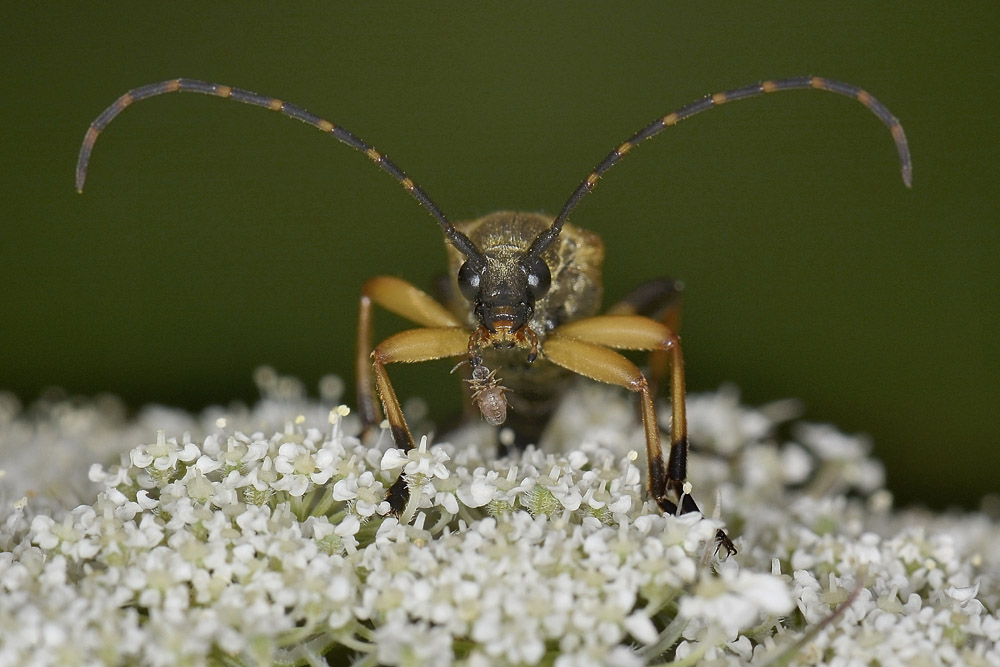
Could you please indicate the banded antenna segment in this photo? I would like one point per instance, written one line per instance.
(711, 101)
(343, 135)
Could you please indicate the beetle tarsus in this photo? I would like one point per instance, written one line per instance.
(398, 495)
(687, 504)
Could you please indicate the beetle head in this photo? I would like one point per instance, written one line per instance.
(503, 286)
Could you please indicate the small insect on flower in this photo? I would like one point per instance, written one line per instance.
(525, 293)
(488, 395)
(486, 392)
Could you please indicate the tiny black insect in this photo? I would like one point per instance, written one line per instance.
(525, 293)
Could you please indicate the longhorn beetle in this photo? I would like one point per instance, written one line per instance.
(525, 292)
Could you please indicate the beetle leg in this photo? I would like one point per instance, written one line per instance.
(402, 298)
(579, 347)
(658, 299)
(410, 346)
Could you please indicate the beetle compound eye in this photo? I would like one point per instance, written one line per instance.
(539, 277)
(469, 280)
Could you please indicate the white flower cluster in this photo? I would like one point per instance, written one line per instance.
(263, 536)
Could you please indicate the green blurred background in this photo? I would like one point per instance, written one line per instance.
(215, 237)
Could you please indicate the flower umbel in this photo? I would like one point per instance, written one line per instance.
(223, 542)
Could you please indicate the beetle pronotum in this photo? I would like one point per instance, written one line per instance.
(525, 292)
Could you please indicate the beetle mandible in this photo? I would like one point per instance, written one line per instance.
(525, 293)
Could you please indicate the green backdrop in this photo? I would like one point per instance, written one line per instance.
(215, 237)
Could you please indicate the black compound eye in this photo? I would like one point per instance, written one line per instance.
(539, 277)
(469, 280)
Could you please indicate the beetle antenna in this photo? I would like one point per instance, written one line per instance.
(709, 101)
(457, 238)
